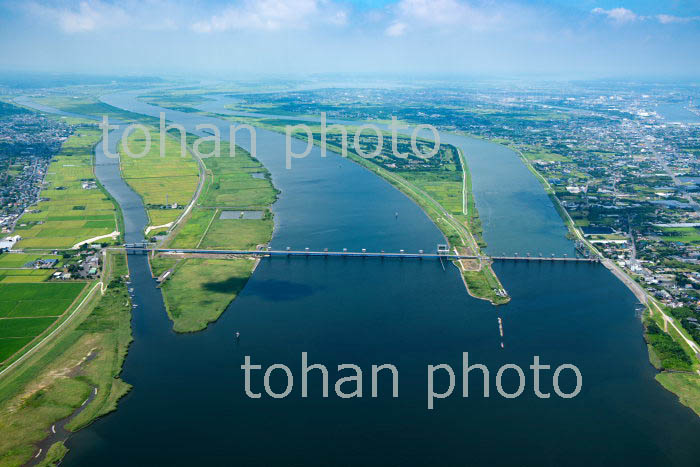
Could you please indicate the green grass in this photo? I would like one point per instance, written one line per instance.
(681, 234)
(56, 223)
(685, 386)
(230, 181)
(28, 309)
(54, 455)
(18, 260)
(670, 354)
(190, 234)
(89, 105)
(243, 234)
(160, 180)
(46, 387)
(483, 284)
(24, 275)
(23, 327)
(160, 264)
(202, 289)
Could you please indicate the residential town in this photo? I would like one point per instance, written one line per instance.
(27, 143)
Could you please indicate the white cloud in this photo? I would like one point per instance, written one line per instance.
(272, 15)
(436, 14)
(96, 15)
(670, 19)
(86, 16)
(396, 29)
(618, 15)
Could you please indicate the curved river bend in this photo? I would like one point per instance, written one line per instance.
(188, 405)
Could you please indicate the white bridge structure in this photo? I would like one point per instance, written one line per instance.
(143, 248)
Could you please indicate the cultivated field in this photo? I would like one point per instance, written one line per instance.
(27, 309)
(84, 358)
(161, 181)
(232, 183)
(69, 214)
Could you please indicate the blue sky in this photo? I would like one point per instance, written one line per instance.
(575, 38)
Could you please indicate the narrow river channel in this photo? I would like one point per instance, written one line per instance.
(188, 404)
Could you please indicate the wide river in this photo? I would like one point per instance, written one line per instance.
(188, 405)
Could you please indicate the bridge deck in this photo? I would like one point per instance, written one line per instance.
(356, 254)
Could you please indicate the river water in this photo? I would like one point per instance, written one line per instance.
(188, 405)
(677, 113)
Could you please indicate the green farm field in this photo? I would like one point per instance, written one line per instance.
(243, 234)
(27, 309)
(232, 183)
(47, 386)
(160, 180)
(681, 234)
(70, 213)
(18, 260)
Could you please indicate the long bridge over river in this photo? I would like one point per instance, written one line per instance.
(144, 249)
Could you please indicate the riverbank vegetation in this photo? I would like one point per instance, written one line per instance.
(685, 385)
(675, 361)
(58, 377)
(73, 206)
(234, 188)
(232, 212)
(87, 104)
(202, 288)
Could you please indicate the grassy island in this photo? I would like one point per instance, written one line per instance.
(231, 212)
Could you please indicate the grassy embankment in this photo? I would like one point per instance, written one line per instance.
(200, 289)
(440, 185)
(55, 380)
(70, 214)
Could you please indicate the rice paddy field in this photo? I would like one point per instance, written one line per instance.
(28, 308)
(69, 214)
(19, 260)
(159, 180)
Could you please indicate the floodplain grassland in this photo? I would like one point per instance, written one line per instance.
(55, 380)
(202, 288)
(685, 385)
(68, 213)
(677, 364)
(182, 103)
(239, 183)
(90, 105)
(160, 181)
